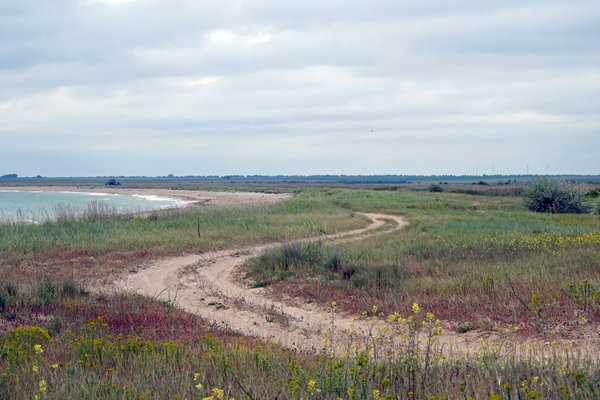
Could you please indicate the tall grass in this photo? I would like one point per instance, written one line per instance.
(173, 231)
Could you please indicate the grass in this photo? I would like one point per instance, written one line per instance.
(464, 257)
(127, 240)
(473, 261)
(124, 347)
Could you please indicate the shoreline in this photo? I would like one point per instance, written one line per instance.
(187, 197)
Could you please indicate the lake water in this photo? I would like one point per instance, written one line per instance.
(39, 206)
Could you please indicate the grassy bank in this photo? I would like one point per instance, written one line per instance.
(126, 240)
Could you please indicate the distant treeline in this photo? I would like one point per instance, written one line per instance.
(306, 179)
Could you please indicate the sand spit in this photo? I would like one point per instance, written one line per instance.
(207, 198)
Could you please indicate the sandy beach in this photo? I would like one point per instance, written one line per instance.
(207, 198)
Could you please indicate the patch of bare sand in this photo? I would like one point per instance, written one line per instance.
(204, 197)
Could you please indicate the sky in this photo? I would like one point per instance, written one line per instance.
(195, 87)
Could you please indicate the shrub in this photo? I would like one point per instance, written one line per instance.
(434, 187)
(593, 194)
(11, 290)
(546, 195)
(55, 326)
(69, 289)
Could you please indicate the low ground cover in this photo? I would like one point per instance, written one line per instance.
(118, 350)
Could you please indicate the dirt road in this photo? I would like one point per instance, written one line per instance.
(209, 285)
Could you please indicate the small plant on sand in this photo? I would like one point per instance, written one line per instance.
(547, 195)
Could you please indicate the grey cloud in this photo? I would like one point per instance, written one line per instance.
(243, 82)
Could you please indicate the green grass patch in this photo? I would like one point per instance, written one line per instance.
(175, 231)
(476, 256)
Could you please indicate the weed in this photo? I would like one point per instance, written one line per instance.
(11, 290)
(46, 293)
(69, 289)
(4, 300)
(464, 327)
(55, 326)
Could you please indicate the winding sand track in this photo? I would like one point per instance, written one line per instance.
(209, 285)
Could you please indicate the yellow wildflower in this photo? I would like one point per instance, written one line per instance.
(218, 393)
(54, 366)
(416, 309)
(333, 304)
(198, 386)
(35, 368)
(312, 386)
(38, 349)
(42, 386)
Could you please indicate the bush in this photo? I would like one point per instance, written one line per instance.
(434, 187)
(69, 289)
(11, 290)
(593, 194)
(546, 195)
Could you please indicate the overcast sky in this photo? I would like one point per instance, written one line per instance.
(147, 87)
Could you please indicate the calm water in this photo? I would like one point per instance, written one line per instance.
(40, 206)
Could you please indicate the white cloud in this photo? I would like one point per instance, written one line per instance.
(223, 37)
(201, 81)
(115, 2)
(518, 118)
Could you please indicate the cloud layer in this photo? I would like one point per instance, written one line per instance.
(211, 87)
